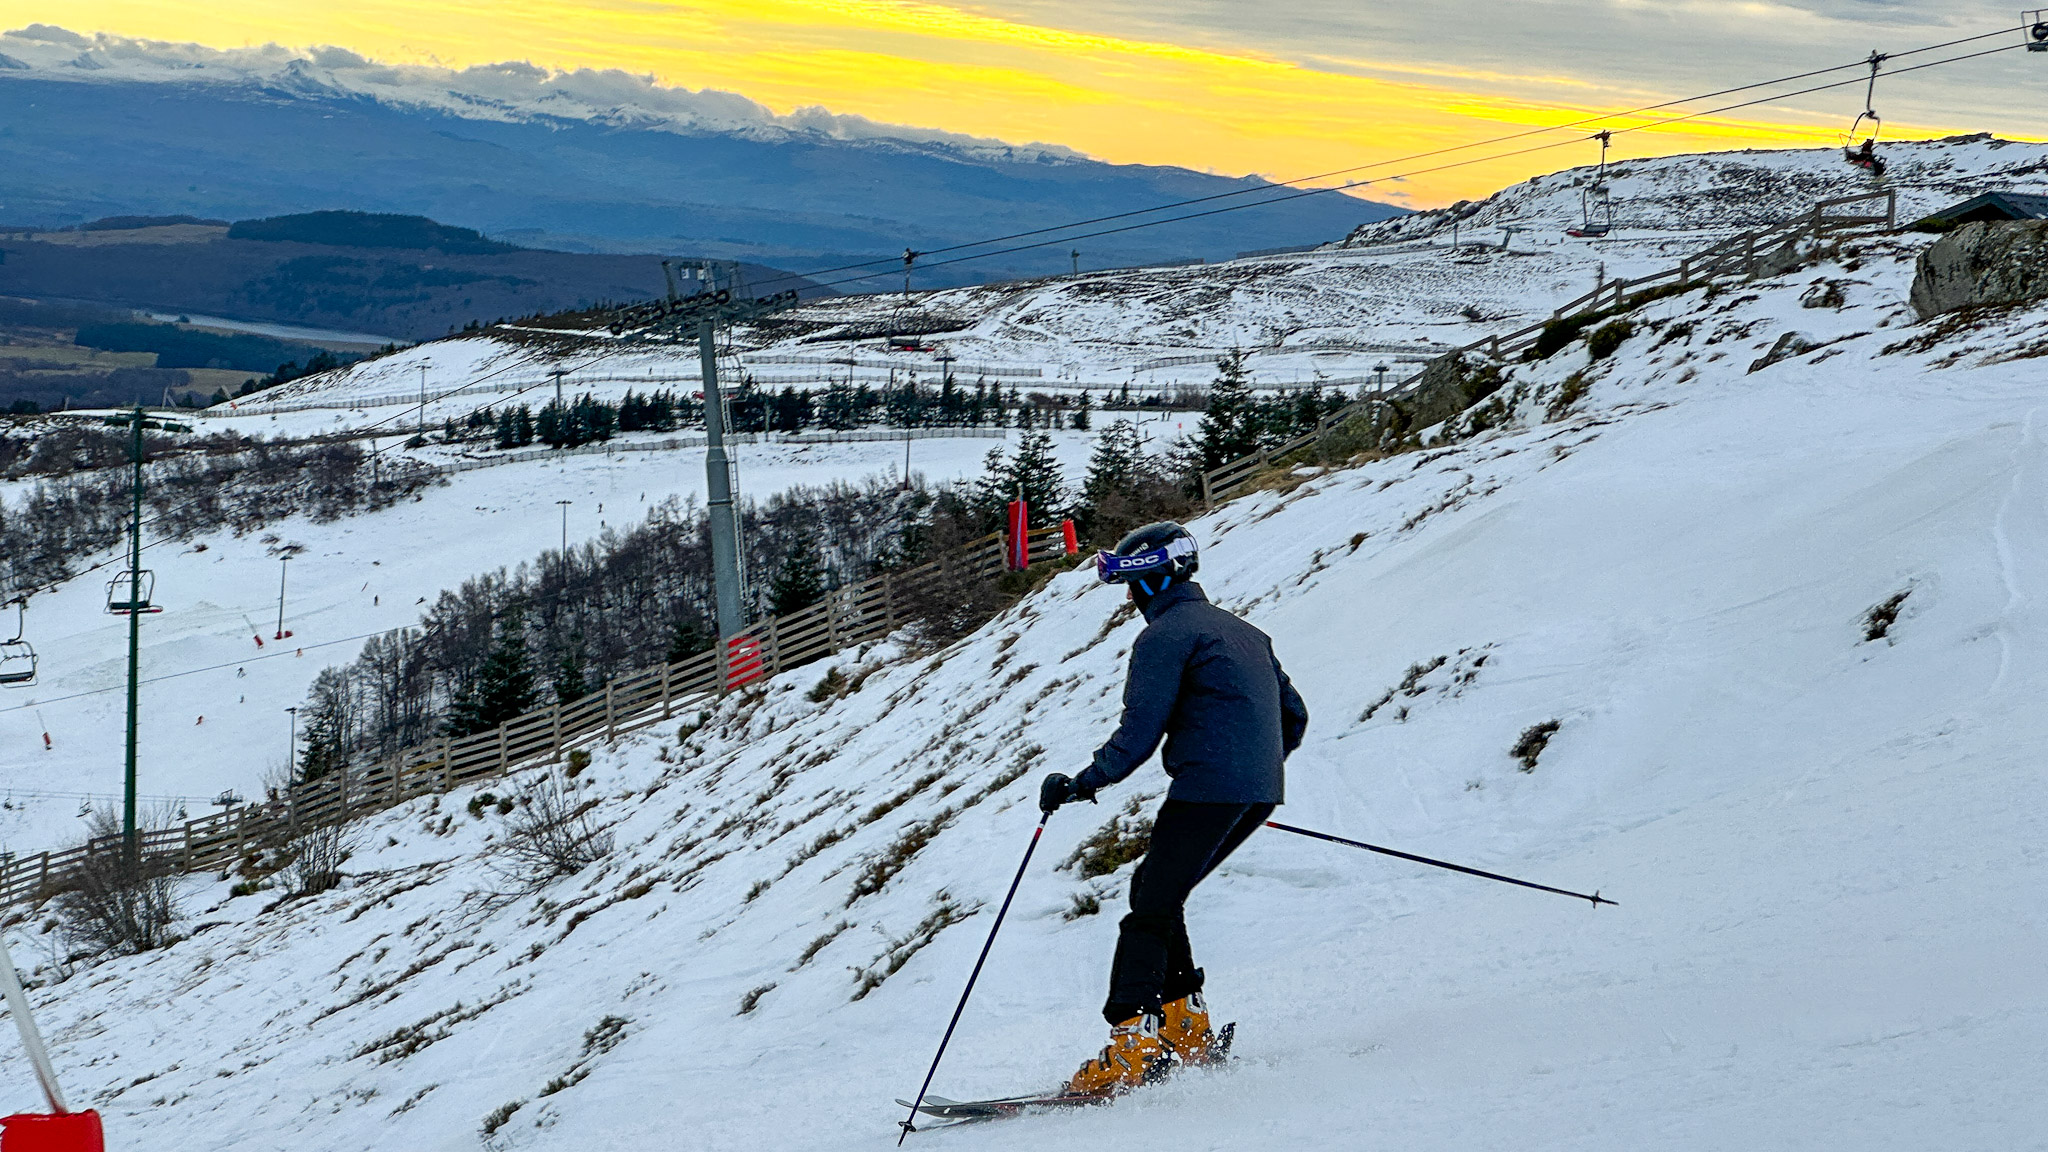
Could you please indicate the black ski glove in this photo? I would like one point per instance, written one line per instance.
(1060, 788)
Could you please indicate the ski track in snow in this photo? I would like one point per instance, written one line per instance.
(1825, 849)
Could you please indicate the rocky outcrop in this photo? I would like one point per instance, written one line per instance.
(1996, 262)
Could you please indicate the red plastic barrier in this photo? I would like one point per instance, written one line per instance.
(1019, 542)
(743, 665)
(37, 1132)
(1067, 535)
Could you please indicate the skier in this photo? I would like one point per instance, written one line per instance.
(1866, 157)
(1209, 684)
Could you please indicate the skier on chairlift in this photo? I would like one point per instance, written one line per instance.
(1866, 157)
(1209, 685)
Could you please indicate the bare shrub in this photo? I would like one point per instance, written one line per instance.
(1535, 738)
(1113, 845)
(752, 999)
(117, 903)
(1877, 623)
(314, 859)
(501, 1115)
(550, 834)
(945, 913)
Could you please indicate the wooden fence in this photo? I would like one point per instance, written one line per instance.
(1741, 256)
(869, 610)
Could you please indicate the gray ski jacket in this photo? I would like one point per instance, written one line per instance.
(1209, 684)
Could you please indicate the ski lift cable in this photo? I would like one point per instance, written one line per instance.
(1571, 124)
(1582, 122)
(1658, 123)
(1311, 191)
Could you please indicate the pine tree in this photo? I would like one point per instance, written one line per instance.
(1083, 413)
(328, 731)
(522, 426)
(1230, 426)
(687, 636)
(799, 582)
(547, 427)
(1114, 464)
(1037, 474)
(571, 681)
(503, 688)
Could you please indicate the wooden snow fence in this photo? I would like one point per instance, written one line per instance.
(857, 614)
(1745, 256)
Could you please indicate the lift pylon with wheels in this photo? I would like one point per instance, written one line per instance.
(2034, 29)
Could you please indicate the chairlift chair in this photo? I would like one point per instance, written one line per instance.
(2034, 29)
(132, 592)
(17, 656)
(1596, 205)
(1865, 156)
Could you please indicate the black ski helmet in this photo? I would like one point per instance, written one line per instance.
(1152, 557)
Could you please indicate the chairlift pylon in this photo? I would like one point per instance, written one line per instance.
(18, 656)
(2034, 29)
(132, 592)
(1594, 199)
(1865, 156)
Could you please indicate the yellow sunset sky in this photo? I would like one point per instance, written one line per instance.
(1112, 82)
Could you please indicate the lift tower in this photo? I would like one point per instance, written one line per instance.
(704, 312)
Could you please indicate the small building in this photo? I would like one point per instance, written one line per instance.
(1987, 207)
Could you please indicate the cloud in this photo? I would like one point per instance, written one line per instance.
(50, 34)
(506, 90)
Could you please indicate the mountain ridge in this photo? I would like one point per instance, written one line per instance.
(585, 161)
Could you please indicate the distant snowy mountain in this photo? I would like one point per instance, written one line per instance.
(584, 160)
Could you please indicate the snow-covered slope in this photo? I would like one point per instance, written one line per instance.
(213, 714)
(1389, 296)
(1822, 844)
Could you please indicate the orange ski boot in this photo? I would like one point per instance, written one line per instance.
(1185, 1029)
(1134, 1056)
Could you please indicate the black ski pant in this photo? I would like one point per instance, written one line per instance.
(1154, 963)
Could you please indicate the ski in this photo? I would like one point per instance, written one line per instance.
(971, 1111)
(966, 1111)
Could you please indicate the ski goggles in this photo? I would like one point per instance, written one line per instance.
(1113, 569)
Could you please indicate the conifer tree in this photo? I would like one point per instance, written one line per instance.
(799, 582)
(571, 681)
(1230, 427)
(327, 735)
(503, 687)
(1083, 412)
(1037, 475)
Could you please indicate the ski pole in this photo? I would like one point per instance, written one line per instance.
(906, 1124)
(31, 1039)
(1596, 898)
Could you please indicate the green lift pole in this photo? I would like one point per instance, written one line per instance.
(134, 644)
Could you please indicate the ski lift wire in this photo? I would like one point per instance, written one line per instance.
(1571, 124)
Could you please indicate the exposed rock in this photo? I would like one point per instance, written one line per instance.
(1983, 262)
(1823, 294)
(1789, 345)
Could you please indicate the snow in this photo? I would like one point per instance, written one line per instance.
(1824, 847)
(359, 576)
(1392, 295)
